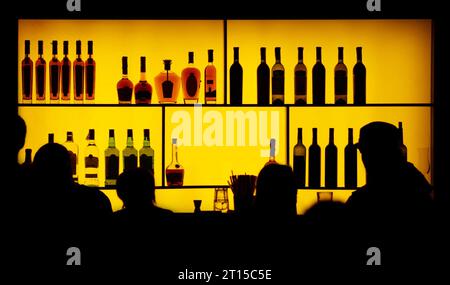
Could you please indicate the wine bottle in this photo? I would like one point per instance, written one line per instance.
(331, 162)
(72, 148)
(403, 148)
(350, 158)
(300, 75)
(278, 79)
(167, 84)
(174, 171)
(78, 76)
(272, 152)
(340, 79)
(27, 75)
(66, 68)
(147, 154)
(130, 154)
(111, 161)
(190, 81)
(318, 80)
(314, 162)
(91, 161)
(55, 74)
(90, 75)
(125, 86)
(236, 74)
(41, 69)
(359, 79)
(143, 89)
(51, 138)
(263, 80)
(210, 80)
(300, 161)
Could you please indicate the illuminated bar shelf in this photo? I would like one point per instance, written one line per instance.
(227, 105)
(224, 186)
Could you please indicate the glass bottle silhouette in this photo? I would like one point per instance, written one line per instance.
(350, 158)
(143, 89)
(147, 154)
(90, 75)
(78, 76)
(210, 80)
(28, 158)
(300, 76)
(167, 84)
(125, 86)
(41, 69)
(263, 80)
(129, 153)
(272, 152)
(91, 161)
(300, 161)
(359, 79)
(318, 80)
(331, 162)
(111, 161)
(72, 148)
(403, 148)
(174, 172)
(314, 162)
(66, 70)
(190, 81)
(278, 79)
(236, 74)
(27, 75)
(55, 74)
(340, 79)
(51, 138)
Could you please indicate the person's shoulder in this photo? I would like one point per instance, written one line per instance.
(162, 211)
(359, 193)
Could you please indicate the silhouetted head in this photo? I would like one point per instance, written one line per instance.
(20, 133)
(51, 165)
(136, 188)
(276, 193)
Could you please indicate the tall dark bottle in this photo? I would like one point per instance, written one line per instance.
(300, 161)
(403, 148)
(236, 74)
(278, 79)
(27, 75)
(143, 89)
(78, 76)
(41, 69)
(210, 80)
(314, 162)
(124, 86)
(340, 79)
(55, 74)
(359, 79)
(66, 68)
(350, 157)
(147, 154)
(111, 161)
(263, 80)
(331, 162)
(318, 80)
(130, 154)
(300, 76)
(90, 75)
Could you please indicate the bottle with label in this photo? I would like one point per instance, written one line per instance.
(359, 79)
(66, 69)
(90, 75)
(403, 148)
(41, 71)
(210, 80)
(263, 80)
(278, 79)
(272, 152)
(174, 172)
(147, 154)
(331, 162)
(78, 76)
(125, 86)
(314, 162)
(236, 74)
(300, 76)
(72, 148)
(91, 161)
(55, 74)
(340, 79)
(318, 80)
(129, 153)
(300, 161)
(111, 161)
(167, 85)
(351, 165)
(190, 80)
(143, 89)
(27, 75)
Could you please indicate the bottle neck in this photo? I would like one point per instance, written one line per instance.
(318, 55)
(331, 136)
(314, 136)
(129, 141)
(341, 55)
(174, 153)
(299, 137)
(272, 150)
(69, 138)
(143, 78)
(146, 142)
(91, 142)
(350, 136)
(112, 142)
(359, 55)
(300, 55)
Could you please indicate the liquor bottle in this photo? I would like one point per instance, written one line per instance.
(111, 161)
(72, 148)
(143, 89)
(41, 69)
(91, 161)
(314, 162)
(125, 86)
(146, 153)
(174, 172)
(278, 79)
(300, 161)
(236, 74)
(272, 152)
(167, 84)
(90, 75)
(28, 158)
(331, 162)
(340, 79)
(403, 148)
(78, 76)
(51, 138)
(350, 158)
(318, 80)
(27, 75)
(190, 80)
(359, 79)
(263, 80)
(300, 76)
(65, 73)
(129, 153)
(210, 80)
(55, 74)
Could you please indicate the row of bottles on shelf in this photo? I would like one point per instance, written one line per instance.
(59, 75)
